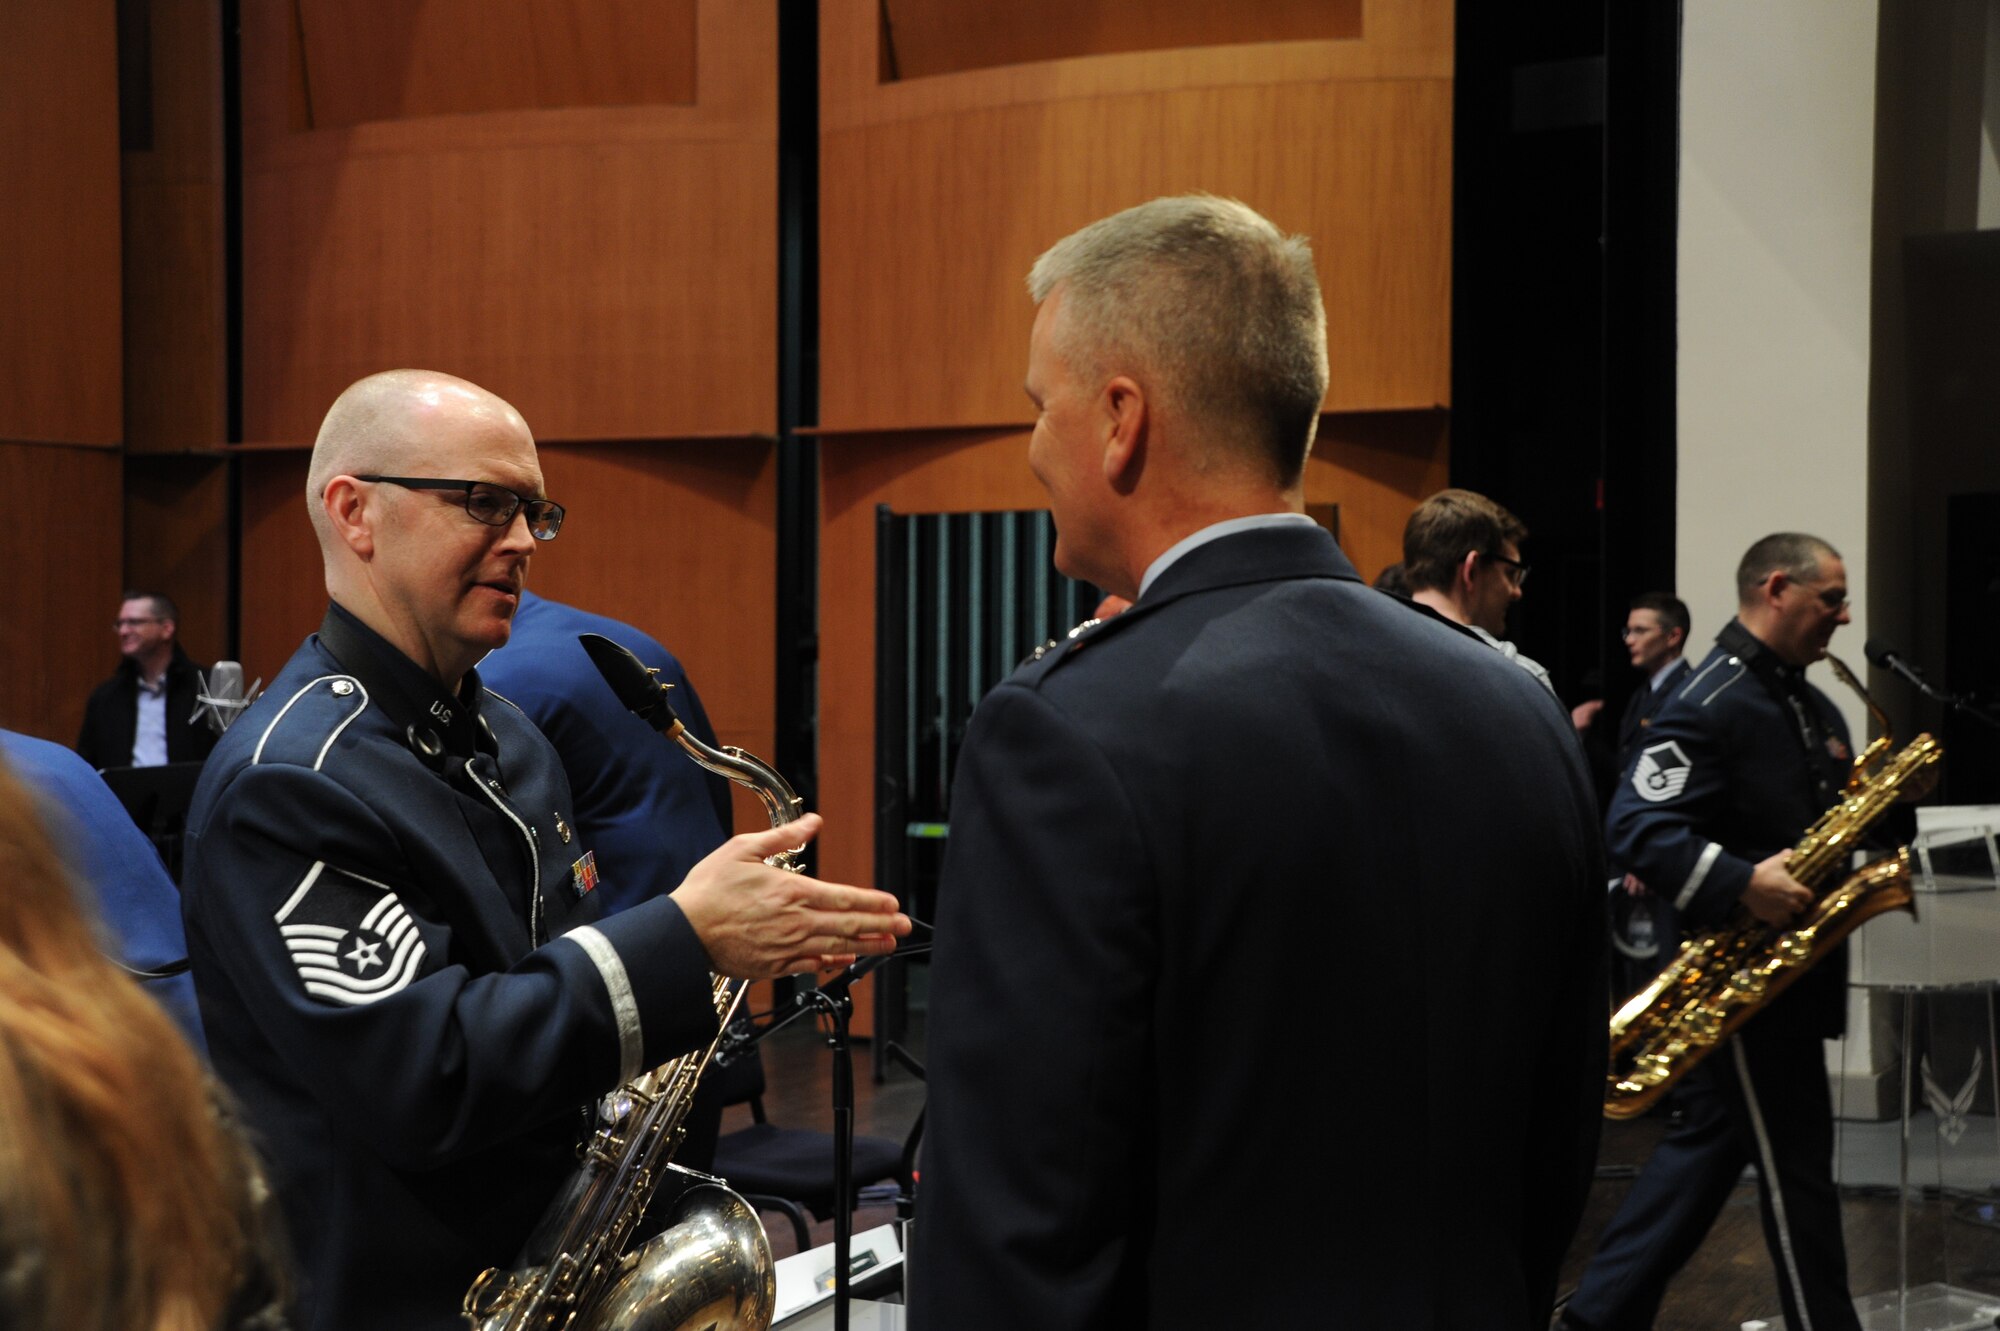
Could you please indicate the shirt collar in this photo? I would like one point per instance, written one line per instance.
(1214, 531)
(411, 695)
(1659, 676)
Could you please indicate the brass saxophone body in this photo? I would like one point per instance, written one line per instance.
(1724, 976)
(711, 1266)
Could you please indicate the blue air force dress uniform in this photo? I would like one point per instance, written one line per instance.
(1645, 930)
(1244, 887)
(403, 973)
(115, 866)
(1731, 771)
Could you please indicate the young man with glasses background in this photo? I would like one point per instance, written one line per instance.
(144, 715)
(1462, 559)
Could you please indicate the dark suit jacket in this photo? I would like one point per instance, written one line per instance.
(1269, 975)
(111, 718)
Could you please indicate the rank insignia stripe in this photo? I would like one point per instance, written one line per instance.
(349, 938)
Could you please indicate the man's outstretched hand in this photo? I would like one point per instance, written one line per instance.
(758, 922)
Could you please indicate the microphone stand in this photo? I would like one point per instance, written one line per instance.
(834, 1000)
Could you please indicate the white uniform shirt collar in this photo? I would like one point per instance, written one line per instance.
(1660, 675)
(1214, 531)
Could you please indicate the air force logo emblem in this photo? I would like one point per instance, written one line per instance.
(1661, 772)
(350, 939)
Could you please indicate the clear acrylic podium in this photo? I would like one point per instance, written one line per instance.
(1945, 966)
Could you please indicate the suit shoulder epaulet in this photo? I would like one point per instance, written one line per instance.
(1049, 657)
(303, 729)
(1714, 680)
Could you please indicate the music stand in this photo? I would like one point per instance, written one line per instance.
(832, 1000)
(157, 798)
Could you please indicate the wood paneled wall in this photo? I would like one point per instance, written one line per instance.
(59, 315)
(176, 363)
(921, 38)
(60, 372)
(56, 641)
(939, 191)
(584, 223)
(609, 270)
(175, 302)
(365, 60)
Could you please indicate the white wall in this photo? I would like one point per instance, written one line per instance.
(1777, 151)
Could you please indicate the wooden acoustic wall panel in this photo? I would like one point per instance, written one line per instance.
(59, 318)
(609, 270)
(921, 38)
(679, 540)
(392, 60)
(176, 361)
(283, 582)
(1375, 468)
(938, 193)
(55, 639)
(176, 541)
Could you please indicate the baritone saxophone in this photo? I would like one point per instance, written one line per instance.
(710, 1269)
(1723, 977)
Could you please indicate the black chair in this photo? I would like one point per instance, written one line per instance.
(790, 1170)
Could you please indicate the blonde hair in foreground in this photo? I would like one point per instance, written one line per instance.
(121, 1196)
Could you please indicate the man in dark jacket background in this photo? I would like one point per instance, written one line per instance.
(143, 715)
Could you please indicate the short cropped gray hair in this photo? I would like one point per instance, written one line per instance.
(1795, 554)
(1208, 296)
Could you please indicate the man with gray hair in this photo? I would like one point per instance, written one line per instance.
(394, 927)
(1179, 1005)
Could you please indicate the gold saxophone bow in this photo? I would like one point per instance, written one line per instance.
(1723, 977)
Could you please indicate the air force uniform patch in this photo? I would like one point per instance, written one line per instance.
(350, 939)
(1661, 772)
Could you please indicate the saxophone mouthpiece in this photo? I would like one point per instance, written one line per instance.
(629, 679)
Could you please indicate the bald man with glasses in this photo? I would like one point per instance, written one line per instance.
(394, 925)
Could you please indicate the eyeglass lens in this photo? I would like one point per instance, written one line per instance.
(496, 507)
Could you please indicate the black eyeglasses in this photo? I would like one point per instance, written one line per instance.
(494, 505)
(1517, 572)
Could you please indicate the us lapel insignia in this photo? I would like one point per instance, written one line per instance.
(562, 829)
(583, 873)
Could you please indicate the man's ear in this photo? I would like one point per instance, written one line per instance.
(1125, 420)
(1468, 569)
(349, 515)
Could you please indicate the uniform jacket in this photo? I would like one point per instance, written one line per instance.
(1644, 705)
(403, 976)
(111, 718)
(1745, 757)
(1269, 892)
(117, 870)
(647, 809)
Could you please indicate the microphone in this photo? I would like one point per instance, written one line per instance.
(1884, 657)
(222, 697)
